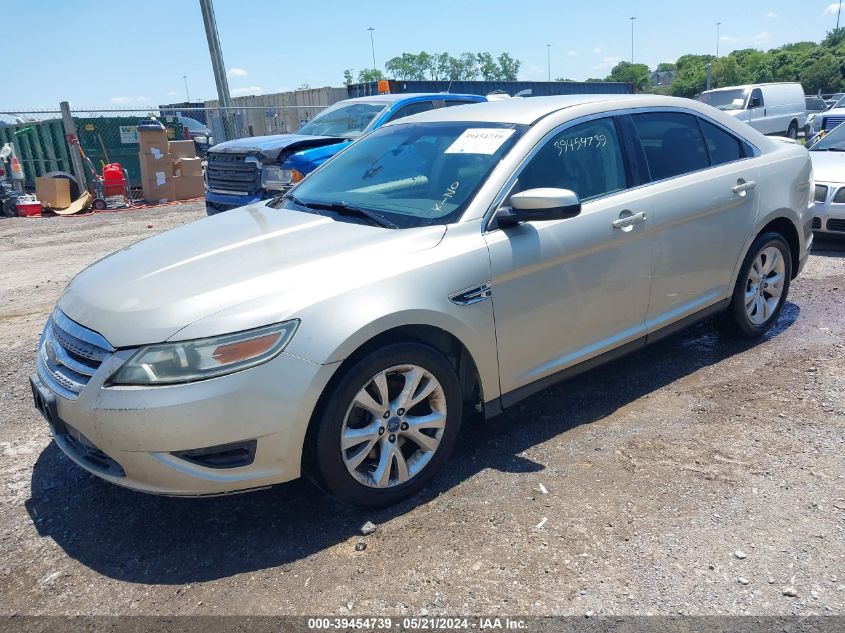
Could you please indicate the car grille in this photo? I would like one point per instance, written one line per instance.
(821, 193)
(232, 173)
(69, 354)
(830, 122)
(817, 223)
(836, 224)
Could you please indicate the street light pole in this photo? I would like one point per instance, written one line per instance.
(632, 39)
(718, 25)
(549, 59)
(187, 94)
(372, 45)
(837, 14)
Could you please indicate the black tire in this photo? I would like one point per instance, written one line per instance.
(322, 458)
(792, 132)
(99, 204)
(736, 319)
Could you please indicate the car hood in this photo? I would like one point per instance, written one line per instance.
(270, 147)
(828, 166)
(281, 259)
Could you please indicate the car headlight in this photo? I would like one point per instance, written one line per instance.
(189, 361)
(274, 177)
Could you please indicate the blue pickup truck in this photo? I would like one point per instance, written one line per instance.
(246, 170)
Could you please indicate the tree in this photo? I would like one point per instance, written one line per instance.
(347, 77)
(726, 72)
(508, 67)
(691, 76)
(369, 75)
(823, 75)
(487, 66)
(664, 67)
(637, 74)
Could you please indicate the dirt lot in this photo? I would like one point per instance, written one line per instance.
(700, 476)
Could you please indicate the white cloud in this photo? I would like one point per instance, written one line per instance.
(772, 15)
(607, 63)
(126, 100)
(533, 71)
(597, 51)
(249, 90)
(762, 37)
(832, 9)
(237, 72)
(729, 39)
(172, 93)
(572, 53)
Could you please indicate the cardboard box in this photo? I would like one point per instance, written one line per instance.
(157, 190)
(153, 141)
(150, 164)
(187, 187)
(187, 167)
(53, 192)
(183, 149)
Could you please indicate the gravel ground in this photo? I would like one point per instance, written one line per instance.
(699, 476)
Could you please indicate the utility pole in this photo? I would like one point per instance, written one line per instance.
(223, 98)
(838, 13)
(372, 45)
(73, 146)
(549, 59)
(718, 25)
(632, 39)
(187, 94)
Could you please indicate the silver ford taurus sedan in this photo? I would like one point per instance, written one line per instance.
(449, 264)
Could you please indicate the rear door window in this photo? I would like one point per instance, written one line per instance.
(412, 108)
(672, 143)
(756, 99)
(722, 147)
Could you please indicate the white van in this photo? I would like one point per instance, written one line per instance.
(768, 108)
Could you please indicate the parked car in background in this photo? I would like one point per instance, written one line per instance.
(775, 108)
(834, 98)
(815, 105)
(354, 325)
(828, 156)
(832, 117)
(198, 132)
(245, 170)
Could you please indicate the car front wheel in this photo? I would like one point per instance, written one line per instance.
(386, 427)
(761, 287)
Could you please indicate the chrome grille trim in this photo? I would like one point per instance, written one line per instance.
(69, 355)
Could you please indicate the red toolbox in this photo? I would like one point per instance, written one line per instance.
(28, 206)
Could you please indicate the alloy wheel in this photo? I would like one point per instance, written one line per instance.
(764, 286)
(393, 426)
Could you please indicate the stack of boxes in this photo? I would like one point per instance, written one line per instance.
(170, 170)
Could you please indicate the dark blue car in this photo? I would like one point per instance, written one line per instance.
(246, 170)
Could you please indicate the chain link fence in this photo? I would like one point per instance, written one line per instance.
(106, 136)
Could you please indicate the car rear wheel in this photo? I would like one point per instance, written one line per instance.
(761, 287)
(792, 132)
(386, 427)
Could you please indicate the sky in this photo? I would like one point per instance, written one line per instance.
(134, 53)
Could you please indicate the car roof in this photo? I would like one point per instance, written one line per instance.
(527, 110)
(394, 97)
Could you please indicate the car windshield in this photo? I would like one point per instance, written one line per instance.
(840, 101)
(344, 120)
(415, 174)
(192, 124)
(724, 99)
(834, 141)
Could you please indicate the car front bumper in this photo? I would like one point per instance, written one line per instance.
(829, 216)
(137, 436)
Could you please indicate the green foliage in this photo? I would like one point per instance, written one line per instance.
(442, 66)
(636, 74)
(347, 77)
(665, 67)
(370, 74)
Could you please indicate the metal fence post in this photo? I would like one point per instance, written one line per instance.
(75, 156)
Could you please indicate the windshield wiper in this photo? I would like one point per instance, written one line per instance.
(346, 209)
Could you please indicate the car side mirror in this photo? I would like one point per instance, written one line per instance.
(754, 103)
(537, 205)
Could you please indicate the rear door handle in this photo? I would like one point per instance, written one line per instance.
(742, 187)
(629, 220)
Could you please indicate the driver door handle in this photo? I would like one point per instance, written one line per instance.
(742, 187)
(629, 220)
